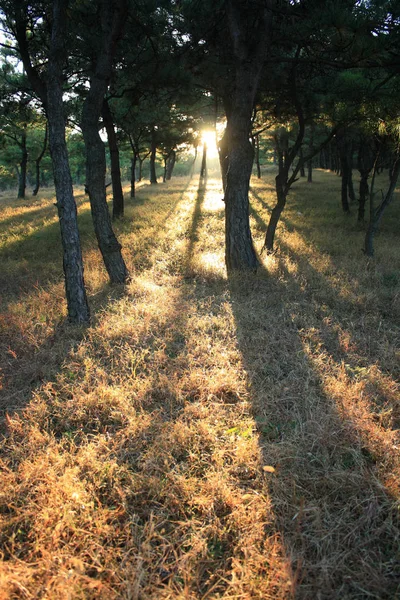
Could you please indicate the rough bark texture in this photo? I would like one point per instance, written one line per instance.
(112, 17)
(239, 250)
(248, 62)
(118, 196)
(78, 309)
(153, 174)
(37, 164)
(50, 92)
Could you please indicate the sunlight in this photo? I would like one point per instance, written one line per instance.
(208, 137)
(213, 261)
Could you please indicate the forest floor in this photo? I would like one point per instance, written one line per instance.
(205, 437)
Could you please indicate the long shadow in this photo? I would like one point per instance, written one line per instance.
(136, 444)
(144, 435)
(29, 360)
(337, 516)
(196, 219)
(339, 525)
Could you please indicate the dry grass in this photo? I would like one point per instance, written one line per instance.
(204, 438)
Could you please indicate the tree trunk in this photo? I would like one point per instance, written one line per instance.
(193, 163)
(118, 196)
(37, 164)
(140, 173)
(364, 192)
(249, 56)
(133, 174)
(239, 250)
(281, 195)
(50, 92)
(302, 170)
(78, 309)
(309, 170)
(310, 151)
(257, 150)
(223, 155)
(170, 165)
(376, 215)
(112, 18)
(23, 164)
(345, 179)
(352, 194)
(203, 169)
(109, 246)
(153, 174)
(366, 157)
(165, 170)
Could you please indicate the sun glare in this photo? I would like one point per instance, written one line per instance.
(208, 137)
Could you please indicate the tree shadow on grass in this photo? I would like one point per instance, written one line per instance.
(338, 519)
(35, 339)
(118, 409)
(196, 216)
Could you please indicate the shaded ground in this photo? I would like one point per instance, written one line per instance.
(208, 438)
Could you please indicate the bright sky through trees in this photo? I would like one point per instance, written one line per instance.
(208, 137)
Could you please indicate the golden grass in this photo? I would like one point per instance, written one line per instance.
(205, 437)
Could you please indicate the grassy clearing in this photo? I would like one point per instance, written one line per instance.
(204, 438)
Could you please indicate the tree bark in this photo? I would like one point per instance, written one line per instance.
(170, 165)
(302, 169)
(78, 309)
(367, 154)
(37, 164)
(140, 173)
(112, 19)
(309, 170)
(276, 212)
(344, 167)
(118, 196)
(310, 151)
(257, 156)
(50, 92)
(203, 169)
(248, 63)
(153, 174)
(364, 193)
(350, 185)
(376, 215)
(165, 169)
(23, 164)
(133, 175)
(223, 155)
